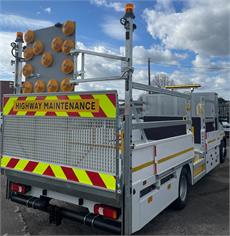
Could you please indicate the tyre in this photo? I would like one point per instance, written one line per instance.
(181, 201)
(223, 151)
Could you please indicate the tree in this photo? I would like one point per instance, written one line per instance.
(161, 80)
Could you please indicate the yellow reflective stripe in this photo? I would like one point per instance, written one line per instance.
(58, 172)
(40, 168)
(109, 181)
(61, 113)
(82, 176)
(22, 113)
(9, 105)
(106, 105)
(211, 141)
(5, 160)
(142, 166)
(82, 113)
(21, 164)
(174, 155)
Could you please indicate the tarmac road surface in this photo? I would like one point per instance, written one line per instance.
(207, 212)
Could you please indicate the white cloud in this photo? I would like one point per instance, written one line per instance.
(117, 6)
(202, 27)
(113, 29)
(48, 10)
(10, 22)
(156, 54)
(6, 70)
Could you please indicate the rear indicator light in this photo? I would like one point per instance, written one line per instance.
(106, 211)
(19, 188)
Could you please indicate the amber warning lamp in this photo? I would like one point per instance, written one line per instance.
(27, 70)
(52, 86)
(47, 59)
(129, 8)
(19, 37)
(39, 86)
(38, 47)
(27, 87)
(56, 44)
(67, 66)
(28, 54)
(66, 86)
(68, 28)
(29, 36)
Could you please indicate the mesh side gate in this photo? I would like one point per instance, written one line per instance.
(78, 142)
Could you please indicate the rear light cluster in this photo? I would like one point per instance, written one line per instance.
(106, 211)
(19, 188)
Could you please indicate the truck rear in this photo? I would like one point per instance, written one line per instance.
(122, 161)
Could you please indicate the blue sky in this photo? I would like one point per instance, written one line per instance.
(187, 40)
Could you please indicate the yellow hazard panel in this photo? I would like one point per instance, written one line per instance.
(78, 105)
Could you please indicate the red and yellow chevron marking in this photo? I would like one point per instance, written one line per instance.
(72, 174)
(75, 105)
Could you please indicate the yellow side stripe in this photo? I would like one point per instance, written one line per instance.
(5, 160)
(142, 166)
(82, 176)
(58, 172)
(174, 155)
(109, 181)
(211, 141)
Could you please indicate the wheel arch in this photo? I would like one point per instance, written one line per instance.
(188, 168)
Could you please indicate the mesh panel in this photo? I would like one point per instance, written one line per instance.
(83, 143)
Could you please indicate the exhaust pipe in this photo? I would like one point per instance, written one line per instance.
(87, 218)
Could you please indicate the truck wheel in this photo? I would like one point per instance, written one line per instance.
(181, 201)
(222, 151)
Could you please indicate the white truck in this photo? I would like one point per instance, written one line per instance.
(122, 161)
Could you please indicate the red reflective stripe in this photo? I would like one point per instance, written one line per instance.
(86, 96)
(96, 179)
(40, 97)
(112, 98)
(69, 173)
(100, 113)
(30, 166)
(72, 113)
(49, 172)
(12, 112)
(63, 97)
(50, 113)
(5, 100)
(12, 163)
(30, 113)
(21, 98)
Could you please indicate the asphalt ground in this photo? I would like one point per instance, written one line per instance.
(207, 213)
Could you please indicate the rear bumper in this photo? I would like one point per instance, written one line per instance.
(78, 190)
